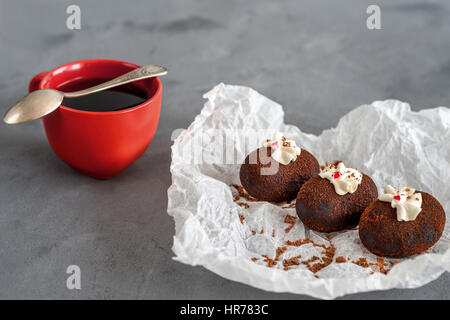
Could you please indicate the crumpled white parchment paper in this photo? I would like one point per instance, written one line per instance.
(385, 139)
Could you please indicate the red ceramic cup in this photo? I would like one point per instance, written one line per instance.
(100, 144)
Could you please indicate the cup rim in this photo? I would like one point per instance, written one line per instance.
(144, 104)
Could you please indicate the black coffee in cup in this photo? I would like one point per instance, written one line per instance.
(119, 98)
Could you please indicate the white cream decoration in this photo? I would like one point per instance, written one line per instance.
(407, 202)
(283, 150)
(345, 179)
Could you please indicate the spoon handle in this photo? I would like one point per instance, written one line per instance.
(148, 71)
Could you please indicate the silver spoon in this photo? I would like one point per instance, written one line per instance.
(39, 103)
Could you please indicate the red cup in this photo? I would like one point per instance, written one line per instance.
(99, 144)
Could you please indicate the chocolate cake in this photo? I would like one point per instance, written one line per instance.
(383, 234)
(265, 178)
(321, 208)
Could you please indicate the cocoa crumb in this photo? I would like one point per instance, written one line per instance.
(299, 242)
(316, 276)
(273, 233)
(290, 205)
(243, 193)
(291, 262)
(341, 259)
(308, 262)
(262, 230)
(253, 232)
(280, 250)
(243, 204)
(379, 266)
(361, 262)
(271, 262)
(335, 164)
(236, 197)
(291, 220)
(241, 218)
(286, 143)
(325, 261)
(255, 259)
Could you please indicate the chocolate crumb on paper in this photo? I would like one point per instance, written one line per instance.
(379, 266)
(288, 206)
(309, 261)
(315, 263)
(271, 262)
(362, 262)
(291, 220)
(243, 193)
(243, 204)
(291, 262)
(324, 261)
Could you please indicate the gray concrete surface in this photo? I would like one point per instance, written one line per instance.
(316, 58)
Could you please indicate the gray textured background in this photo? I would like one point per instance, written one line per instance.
(316, 58)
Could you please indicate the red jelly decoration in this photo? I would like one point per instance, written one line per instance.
(337, 175)
(397, 198)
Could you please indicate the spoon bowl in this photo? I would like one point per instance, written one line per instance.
(35, 104)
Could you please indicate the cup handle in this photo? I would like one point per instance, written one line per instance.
(34, 83)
